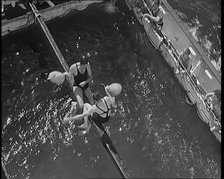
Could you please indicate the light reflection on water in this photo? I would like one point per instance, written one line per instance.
(156, 133)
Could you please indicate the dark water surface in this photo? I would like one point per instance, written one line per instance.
(156, 133)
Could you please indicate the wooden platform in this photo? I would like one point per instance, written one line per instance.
(48, 14)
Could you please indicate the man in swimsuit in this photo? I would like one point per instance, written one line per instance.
(156, 18)
(79, 76)
(100, 111)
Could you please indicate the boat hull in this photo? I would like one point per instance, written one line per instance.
(202, 78)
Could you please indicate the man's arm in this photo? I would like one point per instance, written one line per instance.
(108, 94)
(112, 99)
(77, 117)
(90, 76)
(209, 95)
(71, 73)
(155, 19)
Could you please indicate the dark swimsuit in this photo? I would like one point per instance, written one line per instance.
(80, 77)
(98, 119)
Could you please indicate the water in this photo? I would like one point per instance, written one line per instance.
(156, 133)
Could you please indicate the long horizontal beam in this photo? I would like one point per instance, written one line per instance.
(47, 14)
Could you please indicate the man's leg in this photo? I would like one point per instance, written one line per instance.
(86, 125)
(89, 95)
(77, 91)
(72, 113)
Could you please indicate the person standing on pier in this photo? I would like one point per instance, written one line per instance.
(79, 76)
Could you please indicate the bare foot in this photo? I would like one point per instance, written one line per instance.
(88, 127)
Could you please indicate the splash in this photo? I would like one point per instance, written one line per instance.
(110, 7)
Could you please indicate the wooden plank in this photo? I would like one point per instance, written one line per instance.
(47, 14)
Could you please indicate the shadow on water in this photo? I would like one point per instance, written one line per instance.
(156, 133)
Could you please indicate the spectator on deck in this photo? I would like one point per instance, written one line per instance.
(156, 18)
(213, 99)
(185, 60)
(156, 15)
